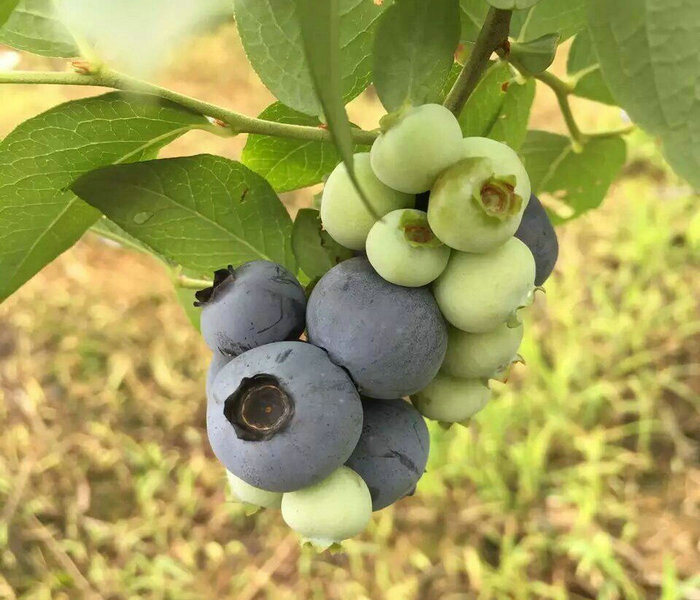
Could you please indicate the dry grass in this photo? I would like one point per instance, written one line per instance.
(580, 480)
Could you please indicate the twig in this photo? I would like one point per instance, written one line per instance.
(493, 35)
(239, 123)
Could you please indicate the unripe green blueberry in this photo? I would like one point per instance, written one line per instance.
(479, 292)
(404, 251)
(248, 494)
(478, 203)
(343, 213)
(452, 399)
(481, 355)
(335, 509)
(416, 145)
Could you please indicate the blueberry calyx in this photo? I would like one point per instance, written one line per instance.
(259, 408)
(498, 199)
(221, 276)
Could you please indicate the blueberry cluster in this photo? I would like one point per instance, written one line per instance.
(322, 428)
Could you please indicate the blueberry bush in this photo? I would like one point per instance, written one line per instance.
(410, 279)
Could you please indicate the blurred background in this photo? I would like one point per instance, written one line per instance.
(580, 480)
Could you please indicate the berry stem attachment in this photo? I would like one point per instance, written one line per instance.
(493, 35)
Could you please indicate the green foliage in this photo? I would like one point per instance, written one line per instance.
(584, 69)
(202, 212)
(289, 164)
(39, 218)
(563, 17)
(6, 8)
(414, 51)
(473, 14)
(499, 107)
(271, 35)
(537, 55)
(512, 4)
(649, 52)
(314, 249)
(578, 179)
(35, 27)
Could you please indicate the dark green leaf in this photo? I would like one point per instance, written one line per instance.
(201, 212)
(649, 52)
(35, 27)
(584, 70)
(414, 51)
(565, 17)
(271, 37)
(315, 250)
(39, 218)
(473, 16)
(289, 164)
(6, 8)
(579, 180)
(111, 231)
(537, 55)
(499, 107)
(455, 70)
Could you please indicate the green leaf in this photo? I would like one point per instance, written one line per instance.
(271, 36)
(289, 164)
(35, 27)
(202, 212)
(579, 180)
(316, 252)
(564, 17)
(414, 51)
(584, 70)
(473, 16)
(512, 4)
(649, 52)
(538, 55)
(499, 107)
(320, 24)
(39, 218)
(6, 8)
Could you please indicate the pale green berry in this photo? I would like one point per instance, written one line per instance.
(474, 355)
(478, 203)
(248, 494)
(416, 145)
(328, 512)
(344, 215)
(404, 251)
(452, 399)
(479, 292)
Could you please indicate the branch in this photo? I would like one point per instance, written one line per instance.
(239, 123)
(493, 35)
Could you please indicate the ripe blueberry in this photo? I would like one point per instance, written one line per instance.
(283, 416)
(257, 303)
(391, 339)
(537, 233)
(393, 450)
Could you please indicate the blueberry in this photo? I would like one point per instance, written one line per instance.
(537, 233)
(257, 303)
(252, 496)
(452, 399)
(393, 450)
(218, 361)
(391, 339)
(282, 416)
(332, 510)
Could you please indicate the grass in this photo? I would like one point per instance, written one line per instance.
(579, 480)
